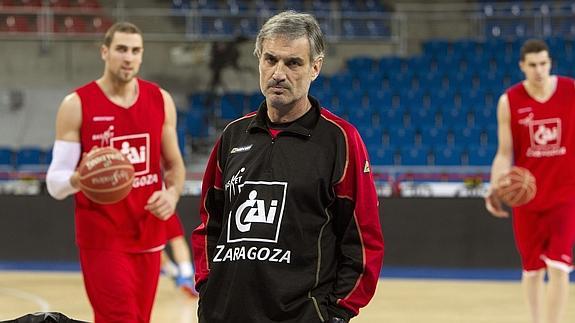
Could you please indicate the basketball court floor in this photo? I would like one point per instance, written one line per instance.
(398, 300)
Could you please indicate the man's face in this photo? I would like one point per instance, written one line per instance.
(286, 71)
(124, 56)
(536, 67)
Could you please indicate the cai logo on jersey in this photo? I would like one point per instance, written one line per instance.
(136, 148)
(545, 136)
(258, 212)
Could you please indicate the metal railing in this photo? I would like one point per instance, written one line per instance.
(164, 24)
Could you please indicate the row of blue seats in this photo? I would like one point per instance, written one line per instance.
(429, 136)
(27, 159)
(346, 27)
(418, 108)
(506, 28)
(242, 6)
(518, 8)
(439, 156)
(492, 47)
(24, 158)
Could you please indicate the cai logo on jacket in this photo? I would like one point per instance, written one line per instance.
(258, 212)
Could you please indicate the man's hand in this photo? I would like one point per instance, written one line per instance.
(494, 205)
(162, 204)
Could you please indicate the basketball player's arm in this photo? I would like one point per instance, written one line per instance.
(62, 177)
(163, 203)
(503, 158)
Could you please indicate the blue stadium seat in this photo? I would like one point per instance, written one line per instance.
(246, 27)
(465, 136)
(400, 136)
(382, 156)
(6, 159)
(342, 82)
(360, 65)
(411, 99)
(411, 156)
(467, 48)
(422, 117)
(491, 135)
(391, 118)
(182, 133)
(321, 83)
(453, 117)
(437, 48)
(390, 65)
(360, 118)
(296, 5)
(265, 7)
(216, 26)
(254, 101)
(321, 6)
(485, 116)
(481, 155)
(232, 106)
(433, 136)
(196, 124)
(48, 156)
(354, 28)
(198, 100)
(447, 156)
(30, 158)
(371, 136)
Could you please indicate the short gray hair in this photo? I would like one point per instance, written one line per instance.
(293, 25)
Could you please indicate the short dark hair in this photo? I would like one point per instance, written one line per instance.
(120, 27)
(533, 46)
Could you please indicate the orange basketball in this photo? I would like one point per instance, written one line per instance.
(516, 187)
(106, 176)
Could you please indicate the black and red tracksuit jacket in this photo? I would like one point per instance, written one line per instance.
(290, 226)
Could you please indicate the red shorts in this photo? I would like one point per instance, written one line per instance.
(121, 286)
(545, 238)
(174, 227)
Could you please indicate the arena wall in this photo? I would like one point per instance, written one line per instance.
(450, 233)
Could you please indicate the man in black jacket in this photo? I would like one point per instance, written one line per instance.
(290, 226)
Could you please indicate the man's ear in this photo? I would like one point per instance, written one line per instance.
(316, 67)
(103, 52)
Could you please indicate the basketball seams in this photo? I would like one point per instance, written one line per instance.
(110, 177)
(516, 187)
(105, 169)
(105, 190)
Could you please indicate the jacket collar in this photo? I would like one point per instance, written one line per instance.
(303, 126)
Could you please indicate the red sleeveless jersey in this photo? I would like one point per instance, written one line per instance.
(544, 141)
(136, 132)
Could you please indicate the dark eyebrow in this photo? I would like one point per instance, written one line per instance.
(122, 46)
(294, 59)
(298, 60)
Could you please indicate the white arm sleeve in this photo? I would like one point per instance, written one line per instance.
(65, 157)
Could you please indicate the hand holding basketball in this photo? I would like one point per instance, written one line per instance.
(517, 187)
(105, 175)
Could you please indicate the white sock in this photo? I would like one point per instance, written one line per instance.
(186, 269)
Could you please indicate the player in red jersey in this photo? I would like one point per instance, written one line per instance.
(120, 244)
(536, 130)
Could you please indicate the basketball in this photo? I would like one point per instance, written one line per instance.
(106, 176)
(516, 187)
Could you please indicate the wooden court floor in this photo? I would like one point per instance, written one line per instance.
(396, 300)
